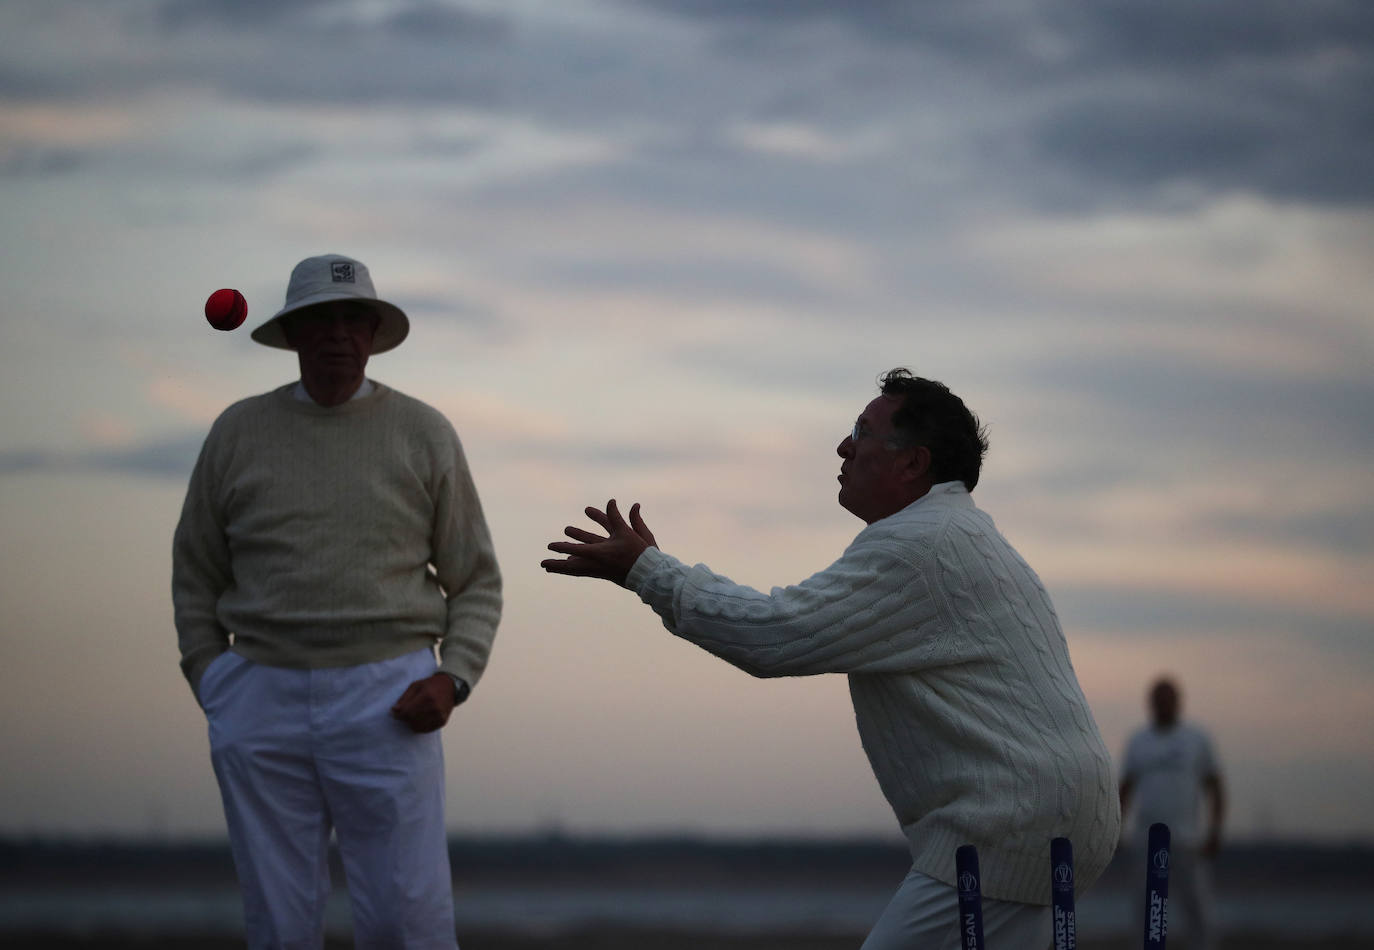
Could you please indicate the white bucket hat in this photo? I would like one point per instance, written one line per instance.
(331, 278)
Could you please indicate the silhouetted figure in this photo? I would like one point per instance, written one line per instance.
(1169, 769)
(966, 701)
(331, 538)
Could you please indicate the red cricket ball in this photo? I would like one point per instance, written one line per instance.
(226, 309)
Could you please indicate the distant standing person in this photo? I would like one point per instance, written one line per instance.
(330, 540)
(1170, 767)
(965, 698)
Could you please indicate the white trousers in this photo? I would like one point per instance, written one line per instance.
(298, 752)
(924, 915)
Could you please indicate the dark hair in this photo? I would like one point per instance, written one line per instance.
(932, 416)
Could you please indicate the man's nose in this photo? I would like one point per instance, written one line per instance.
(846, 447)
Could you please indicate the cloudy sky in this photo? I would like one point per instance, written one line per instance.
(661, 249)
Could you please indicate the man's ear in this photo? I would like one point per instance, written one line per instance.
(918, 467)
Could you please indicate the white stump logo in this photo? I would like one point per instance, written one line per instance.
(968, 883)
(970, 931)
(1156, 918)
(1065, 933)
(1063, 875)
(341, 272)
(1161, 860)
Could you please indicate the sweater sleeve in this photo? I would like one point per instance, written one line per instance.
(200, 569)
(869, 612)
(465, 563)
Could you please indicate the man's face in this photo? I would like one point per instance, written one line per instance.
(333, 341)
(1164, 704)
(872, 477)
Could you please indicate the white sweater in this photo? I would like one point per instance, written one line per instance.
(966, 702)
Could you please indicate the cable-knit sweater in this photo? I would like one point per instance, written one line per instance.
(965, 699)
(332, 537)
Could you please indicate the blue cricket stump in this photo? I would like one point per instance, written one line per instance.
(1157, 887)
(1061, 894)
(970, 898)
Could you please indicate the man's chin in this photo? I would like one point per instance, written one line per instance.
(844, 501)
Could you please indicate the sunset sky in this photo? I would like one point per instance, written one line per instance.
(660, 250)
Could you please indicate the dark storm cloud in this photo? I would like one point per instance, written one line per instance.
(1288, 137)
(304, 51)
(1174, 33)
(416, 53)
(1263, 95)
(1185, 34)
(1045, 104)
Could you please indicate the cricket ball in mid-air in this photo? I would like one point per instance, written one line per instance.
(226, 309)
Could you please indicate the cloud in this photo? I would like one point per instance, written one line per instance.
(1281, 136)
(1172, 33)
(302, 51)
(1268, 96)
(1171, 615)
(166, 457)
(1042, 104)
(315, 20)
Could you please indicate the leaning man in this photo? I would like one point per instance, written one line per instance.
(330, 540)
(966, 702)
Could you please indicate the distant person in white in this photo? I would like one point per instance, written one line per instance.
(1170, 767)
(964, 696)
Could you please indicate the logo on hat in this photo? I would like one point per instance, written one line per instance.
(341, 271)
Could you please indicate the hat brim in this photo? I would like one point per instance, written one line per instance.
(392, 328)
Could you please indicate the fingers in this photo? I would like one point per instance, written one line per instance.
(615, 518)
(573, 567)
(425, 706)
(572, 548)
(640, 528)
(407, 697)
(608, 556)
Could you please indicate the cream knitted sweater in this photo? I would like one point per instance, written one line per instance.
(966, 702)
(332, 537)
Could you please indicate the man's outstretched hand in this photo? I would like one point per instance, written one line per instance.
(610, 557)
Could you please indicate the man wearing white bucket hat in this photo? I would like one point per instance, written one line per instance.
(330, 539)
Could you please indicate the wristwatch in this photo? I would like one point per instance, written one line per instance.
(460, 689)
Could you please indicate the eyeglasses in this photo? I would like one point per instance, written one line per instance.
(862, 431)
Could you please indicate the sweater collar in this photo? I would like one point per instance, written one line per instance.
(942, 494)
(301, 394)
